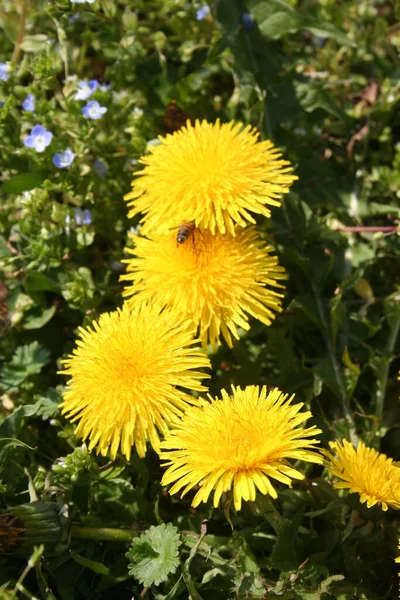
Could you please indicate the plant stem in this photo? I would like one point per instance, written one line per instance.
(21, 32)
(383, 375)
(363, 229)
(103, 534)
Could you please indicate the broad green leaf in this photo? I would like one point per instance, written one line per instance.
(285, 553)
(280, 23)
(21, 183)
(39, 282)
(34, 43)
(38, 319)
(228, 14)
(325, 370)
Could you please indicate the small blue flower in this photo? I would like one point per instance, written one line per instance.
(63, 159)
(100, 168)
(1, 104)
(4, 71)
(29, 103)
(39, 138)
(202, 12)
(248, 21)
(82, 216)
(103, 87)
(93, 110)
(86, 89)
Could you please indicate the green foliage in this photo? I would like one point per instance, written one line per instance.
(28, 360)
(155, 554)
(320, 79)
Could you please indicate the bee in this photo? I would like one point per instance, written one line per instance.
(185, 230)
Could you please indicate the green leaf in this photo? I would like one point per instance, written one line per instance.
(11, 427)
(38, 319)
(285, 553)
(12, 424)
(351, 373)
(21, 183)
(324, 585)
(49, 404)
(28, 360)
(4, 249)
(155, 554)
(312, 96)
(326, 372)
(280, 24)
(34, 43)
(228, 14)
(38, 282)
(93, 565)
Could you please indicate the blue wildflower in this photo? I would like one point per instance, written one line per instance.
(104, 87)
(86, 89)
(202, 12)
(4, 71)
(29, 103)
(93, 110)
(100, 168)
(248, 21)
(39, 138)
(82, 216)
(63, 159)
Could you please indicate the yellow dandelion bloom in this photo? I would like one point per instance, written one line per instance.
(124, 377)
(217, 281)
(366, 472)
(241, 441)
(212, 174)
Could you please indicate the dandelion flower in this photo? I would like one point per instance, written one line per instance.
(217, 281)
(241, 441)
(124, 374)
(366, 472)
(212, 174)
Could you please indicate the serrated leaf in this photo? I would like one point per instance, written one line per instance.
(49, 404)
(155, 554)
(27, 360)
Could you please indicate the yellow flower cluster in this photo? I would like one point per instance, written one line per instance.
(197, 192)
(196, 274)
